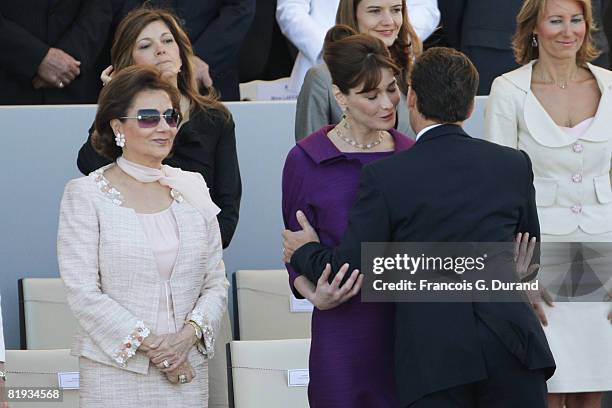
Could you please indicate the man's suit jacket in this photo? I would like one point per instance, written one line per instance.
(28, 28)
(216, 29)
(265, 53)
(448, 187)
(112, 281)
(483, 30)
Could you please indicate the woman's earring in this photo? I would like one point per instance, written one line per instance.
(534, 41)
(345, 122)
(345, 113)
(120, 139)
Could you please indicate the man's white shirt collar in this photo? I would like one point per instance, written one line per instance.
(426, 129)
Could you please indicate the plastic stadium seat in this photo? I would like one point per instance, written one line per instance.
(260, 371)
(47, 319)
(264, 300)
(39, 368)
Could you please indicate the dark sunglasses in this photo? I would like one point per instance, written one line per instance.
(148, 118)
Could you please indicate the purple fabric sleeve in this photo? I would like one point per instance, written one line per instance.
(295, 197)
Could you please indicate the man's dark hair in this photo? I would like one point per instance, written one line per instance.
(445, 82)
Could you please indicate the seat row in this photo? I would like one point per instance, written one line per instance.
(268, 366)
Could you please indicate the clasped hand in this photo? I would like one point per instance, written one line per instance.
(57, 70)
(169, 353)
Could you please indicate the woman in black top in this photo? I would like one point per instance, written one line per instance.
(205, 142)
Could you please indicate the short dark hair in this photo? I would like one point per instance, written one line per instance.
(355, 59)
(117, 97)
(445, 82)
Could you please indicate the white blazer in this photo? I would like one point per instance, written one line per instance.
(112, 282)
(305, 23)
(2, 350)
(571, 176)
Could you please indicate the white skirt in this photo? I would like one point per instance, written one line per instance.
(579, 335)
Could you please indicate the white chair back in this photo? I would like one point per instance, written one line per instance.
(49, 323)
(261, 370)
(264, 307)
(31, 369)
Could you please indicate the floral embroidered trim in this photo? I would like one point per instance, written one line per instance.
(106, 188)
(130, 344)
(207, 345)
(208, 338)
(115, 195)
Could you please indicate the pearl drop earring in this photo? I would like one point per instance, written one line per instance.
(120, 139)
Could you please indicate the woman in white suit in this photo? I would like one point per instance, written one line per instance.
(305, 23)
(557, 107)
(140, 253)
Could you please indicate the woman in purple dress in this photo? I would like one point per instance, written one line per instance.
(351, 354)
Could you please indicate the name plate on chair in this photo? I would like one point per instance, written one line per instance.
(298, 377)
(300, 305)
(69, 380)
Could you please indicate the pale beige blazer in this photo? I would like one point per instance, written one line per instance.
(111, 276)
(572, 176)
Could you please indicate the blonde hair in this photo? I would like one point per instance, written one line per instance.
(404, 50)
(526, 22)
(123, 45)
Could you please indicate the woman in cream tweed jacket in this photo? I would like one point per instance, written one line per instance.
(110, 261)
(112, 280)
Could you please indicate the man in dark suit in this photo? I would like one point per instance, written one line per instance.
(49, 50)
(483, 30)
(265, 53)
(448, 187)
(216, 29)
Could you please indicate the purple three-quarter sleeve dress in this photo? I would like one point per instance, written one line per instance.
(351, 353)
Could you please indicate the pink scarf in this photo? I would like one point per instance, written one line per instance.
(191, 185)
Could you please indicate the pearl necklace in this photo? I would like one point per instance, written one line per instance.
(353, 142)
